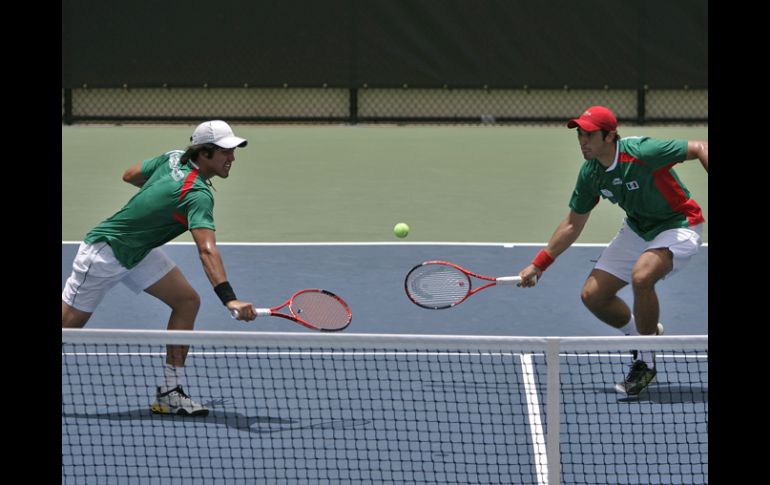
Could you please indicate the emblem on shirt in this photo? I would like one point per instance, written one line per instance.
(617, 181)
(632, 185)
(607, 193)
(173, 164)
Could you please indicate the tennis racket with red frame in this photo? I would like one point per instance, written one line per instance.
(436, 285)
(313, 308)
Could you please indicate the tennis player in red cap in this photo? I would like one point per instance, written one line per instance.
(661, 230)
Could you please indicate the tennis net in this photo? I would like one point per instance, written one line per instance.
(323, 408)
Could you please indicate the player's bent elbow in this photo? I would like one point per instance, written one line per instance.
(133, 179)
(134, 176)
(206, 252)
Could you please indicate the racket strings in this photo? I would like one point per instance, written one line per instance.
(321, 310)
(437, 286)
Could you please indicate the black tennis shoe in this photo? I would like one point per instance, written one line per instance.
(639, 377)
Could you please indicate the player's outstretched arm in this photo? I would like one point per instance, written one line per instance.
(212, 263)
(563, 237)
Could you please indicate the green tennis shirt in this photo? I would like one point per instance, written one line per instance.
(173, 199)
(643, 183)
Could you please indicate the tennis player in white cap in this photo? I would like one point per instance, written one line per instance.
(175, 196)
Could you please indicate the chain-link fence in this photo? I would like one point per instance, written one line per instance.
(376, 105)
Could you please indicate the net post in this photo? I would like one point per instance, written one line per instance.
(552, 411)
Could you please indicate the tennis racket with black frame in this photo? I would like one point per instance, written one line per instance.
(437, 285)
(312, 307)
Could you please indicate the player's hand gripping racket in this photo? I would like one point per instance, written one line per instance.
(436, 285)
(313, 308)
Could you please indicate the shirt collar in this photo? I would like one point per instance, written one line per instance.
(615, 162)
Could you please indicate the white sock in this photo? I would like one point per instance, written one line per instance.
(630, 327)
(646, 356)
(172, 377)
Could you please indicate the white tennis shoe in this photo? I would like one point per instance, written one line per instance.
(176, 401)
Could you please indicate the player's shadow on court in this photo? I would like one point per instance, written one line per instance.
(229, 419)
(660, 393)
(667, 394)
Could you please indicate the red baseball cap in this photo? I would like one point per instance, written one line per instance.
(595, 118)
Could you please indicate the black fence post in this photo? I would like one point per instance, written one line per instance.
(67, 106)
(353, 111)
(641, 109)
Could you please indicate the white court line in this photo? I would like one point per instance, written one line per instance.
(535, 423)
(387, 354)
(374, 243)
(299, 353)
(660, 356)
(384, 243)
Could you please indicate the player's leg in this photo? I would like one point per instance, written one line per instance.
(599, 295)
(611, 273)
(651, 267)
(174, 290)
(71, 317)
(665, 255)
(615, 266)
(158, 276)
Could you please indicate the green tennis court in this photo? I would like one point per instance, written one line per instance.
(353, 183)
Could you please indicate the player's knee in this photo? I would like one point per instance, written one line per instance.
(590, 297)
(195, 300)
(643, 280)
(72, 317)
(190, 301)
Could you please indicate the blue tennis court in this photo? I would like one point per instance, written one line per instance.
(344, 409)
(370, 277)
(304, 407)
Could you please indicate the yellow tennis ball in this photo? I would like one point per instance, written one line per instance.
(401, 230)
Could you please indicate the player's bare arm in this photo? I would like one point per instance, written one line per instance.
(563, 237)
(133, 175)
(567, 233)
(699, 150)
(209, 255)
(211, 260)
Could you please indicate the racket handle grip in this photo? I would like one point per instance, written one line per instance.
(261, 312)
(512, 280)
(508, 280)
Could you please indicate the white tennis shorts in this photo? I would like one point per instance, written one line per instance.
(624, 250)
(95, 271)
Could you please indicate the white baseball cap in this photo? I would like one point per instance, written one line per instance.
(217, 132)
